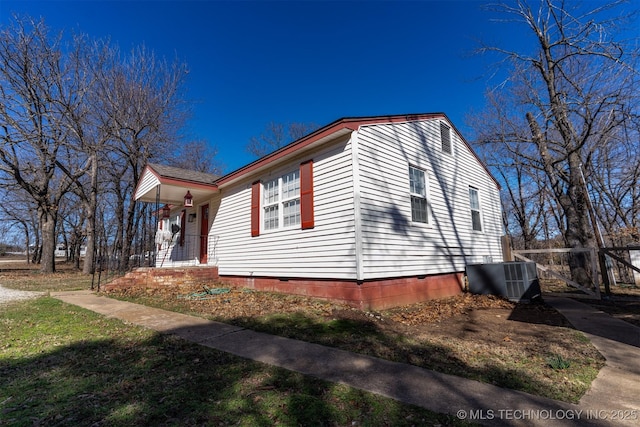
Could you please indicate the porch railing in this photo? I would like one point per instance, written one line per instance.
(186, 248)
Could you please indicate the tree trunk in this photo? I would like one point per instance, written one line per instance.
(48, 227)
(570, 195)
(27, 242)
(579, 233)
(130, 231)
(90, 208)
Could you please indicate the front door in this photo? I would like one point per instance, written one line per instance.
(204, 233)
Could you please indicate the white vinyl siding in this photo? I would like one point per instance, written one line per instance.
(326, 251)
(392, 245)
(147, 183)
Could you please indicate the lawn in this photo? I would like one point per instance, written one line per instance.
(63, 365)
(528, 347)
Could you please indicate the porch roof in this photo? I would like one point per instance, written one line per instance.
(174, 183)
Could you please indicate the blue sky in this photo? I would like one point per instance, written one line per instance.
(255, 62)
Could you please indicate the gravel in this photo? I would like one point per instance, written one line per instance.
(8, 295)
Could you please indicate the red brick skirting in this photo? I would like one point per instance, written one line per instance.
(148, 277)
(368, 295)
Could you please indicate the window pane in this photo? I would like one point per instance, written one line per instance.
(270, 192)
(419, 209)
(474, 203)
(291, 185)
(291, 213)
(473, 199)
(475, 220)
(416, 181)
(271, 217)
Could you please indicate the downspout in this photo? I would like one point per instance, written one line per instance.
(357, 216)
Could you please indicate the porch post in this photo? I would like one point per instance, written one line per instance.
(155, 230)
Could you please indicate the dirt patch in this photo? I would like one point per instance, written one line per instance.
(474, 336)
(465, 321)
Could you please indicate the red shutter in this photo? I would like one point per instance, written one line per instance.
(306, 194)
(255, 209)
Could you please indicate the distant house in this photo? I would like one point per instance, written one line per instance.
(62, 251)
(375, 211)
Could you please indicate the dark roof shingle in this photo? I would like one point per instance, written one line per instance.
(183, 174)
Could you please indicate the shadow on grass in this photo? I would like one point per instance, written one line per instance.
(368, 338)
(163, 380)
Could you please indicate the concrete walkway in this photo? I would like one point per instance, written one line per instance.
(615, 393)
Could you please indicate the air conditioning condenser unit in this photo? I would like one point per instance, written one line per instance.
(517, 281)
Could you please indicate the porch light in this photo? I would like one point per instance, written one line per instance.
(166, 211)
(188, 200)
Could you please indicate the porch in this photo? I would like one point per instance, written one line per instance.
(185, 250)
(182, 199)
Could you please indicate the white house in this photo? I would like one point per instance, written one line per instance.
(376, 211)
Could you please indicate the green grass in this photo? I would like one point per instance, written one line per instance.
(514, 369)
(63, 365)
(505, 366)
(508, 366)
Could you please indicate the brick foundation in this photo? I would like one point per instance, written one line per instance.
(147, 277)
(368, 295)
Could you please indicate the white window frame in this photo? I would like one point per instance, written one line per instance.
(475, 209)
(278, 196)
(415, 195)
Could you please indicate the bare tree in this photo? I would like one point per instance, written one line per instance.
(615, 186)
(142, 110)
(562, 102)
(33, 74)
(195, 155)
(277, 135)
(18, 210)
(86, 138)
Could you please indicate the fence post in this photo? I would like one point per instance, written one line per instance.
(507, 255)
(604, 272)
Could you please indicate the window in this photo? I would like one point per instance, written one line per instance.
(474, 203)
(284, 202)
(281, 201)
(445, 138)
(418, 192)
